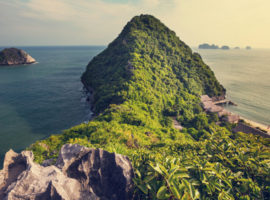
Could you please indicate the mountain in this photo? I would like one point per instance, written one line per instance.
(142, 84)
(13, 56)
(147, 56)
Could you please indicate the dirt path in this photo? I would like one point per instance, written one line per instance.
(176, 124)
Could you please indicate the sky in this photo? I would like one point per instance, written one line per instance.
(98, 22)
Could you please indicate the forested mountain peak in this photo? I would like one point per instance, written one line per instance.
(148, 56)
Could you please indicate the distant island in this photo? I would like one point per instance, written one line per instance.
(225, 47)
(207, 46)
(213, 46)
(14, 56)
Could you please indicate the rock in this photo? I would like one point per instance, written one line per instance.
(48, 162)
(68, 154)
(80, 173)
(13, 56)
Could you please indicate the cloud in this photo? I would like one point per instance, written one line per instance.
(82, 21)
(49, 9)
(66, 10)
(63, 10)
(99, 21)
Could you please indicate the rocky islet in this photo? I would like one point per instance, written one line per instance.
(14, 56)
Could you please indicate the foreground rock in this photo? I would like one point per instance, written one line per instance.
(13, 56)
(80, 173)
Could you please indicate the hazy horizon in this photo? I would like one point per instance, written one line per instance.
(105, 45)
(98, 22)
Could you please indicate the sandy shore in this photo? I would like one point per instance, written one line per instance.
(256, 124)
(252, 123)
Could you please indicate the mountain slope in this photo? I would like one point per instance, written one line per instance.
(145, 78)
(148, 56)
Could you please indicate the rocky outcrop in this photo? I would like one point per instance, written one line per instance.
(79, 173)
(13, 56)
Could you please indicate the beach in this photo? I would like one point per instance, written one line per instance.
(256, 124)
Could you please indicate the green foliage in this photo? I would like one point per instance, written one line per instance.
(148, 63)
(220, 167)
(146, 77)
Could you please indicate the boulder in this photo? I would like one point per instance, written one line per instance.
(80, 173)
(13, 56)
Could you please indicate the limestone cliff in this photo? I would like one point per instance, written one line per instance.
(80, 173)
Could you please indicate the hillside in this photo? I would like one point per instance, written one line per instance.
(148, 55)
(145, 78)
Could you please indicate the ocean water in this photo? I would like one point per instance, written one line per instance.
(44, 98)
(246, 76)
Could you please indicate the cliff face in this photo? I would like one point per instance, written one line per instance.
(79, 174)
(13, 56)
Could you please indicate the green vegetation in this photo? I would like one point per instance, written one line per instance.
(145, 77)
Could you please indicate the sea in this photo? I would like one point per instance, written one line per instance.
(47, 97)
(246, 76)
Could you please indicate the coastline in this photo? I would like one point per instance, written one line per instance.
(265, 131)
(215, 105)
(256, 124)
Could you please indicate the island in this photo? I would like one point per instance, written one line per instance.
(213, 46)
(14, 56)
(225, 47)
(207, 46)
(151, 137)
(248, 48)
(236, 48)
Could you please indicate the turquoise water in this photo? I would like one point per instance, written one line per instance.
(44, 98)
(246, 76)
